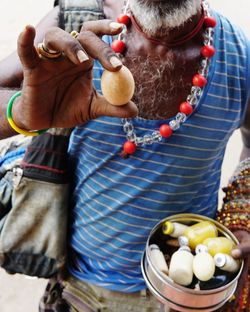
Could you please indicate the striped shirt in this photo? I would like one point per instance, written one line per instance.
(116, 202)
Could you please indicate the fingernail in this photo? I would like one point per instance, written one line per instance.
(115, 62)
(82, 57)
(236, 253)
(115, 26)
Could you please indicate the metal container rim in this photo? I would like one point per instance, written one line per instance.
(179, 287)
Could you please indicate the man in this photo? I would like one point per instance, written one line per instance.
(116, 201)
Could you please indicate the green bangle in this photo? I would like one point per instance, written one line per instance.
(13, 125)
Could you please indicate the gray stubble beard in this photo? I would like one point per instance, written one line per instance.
(158, 16)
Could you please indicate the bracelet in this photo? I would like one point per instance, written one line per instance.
(13, 125)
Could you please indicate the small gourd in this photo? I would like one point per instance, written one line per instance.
(226, 263)
(197, 233)
(118, 87)
(158, 259)
(181, 266)
(173, 229)
(203, 266)
(219, 245)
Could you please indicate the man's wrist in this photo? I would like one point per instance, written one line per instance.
(17, 114)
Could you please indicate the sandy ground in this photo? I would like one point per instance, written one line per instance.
(19, 293)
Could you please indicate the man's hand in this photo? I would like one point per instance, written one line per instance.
(59, 93)
(243, 249)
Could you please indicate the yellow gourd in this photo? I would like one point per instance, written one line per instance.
(219, 245)
(198, 232)
(118, 87)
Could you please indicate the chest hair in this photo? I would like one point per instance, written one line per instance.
(161, 84)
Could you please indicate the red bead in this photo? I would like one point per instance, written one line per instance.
(186, 108)
(129, 147)
(123, 19)
(118, 46)
(210, 21)
(208, 51)
(165, 131)
(199, 81)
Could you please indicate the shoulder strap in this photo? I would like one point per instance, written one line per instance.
(74, 12)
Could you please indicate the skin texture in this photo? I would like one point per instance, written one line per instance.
(67, 78)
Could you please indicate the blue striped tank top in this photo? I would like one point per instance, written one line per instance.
(116, 202)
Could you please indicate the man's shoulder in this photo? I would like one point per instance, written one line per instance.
(230, 29)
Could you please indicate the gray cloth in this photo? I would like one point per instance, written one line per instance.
(74, 12)
(33, 211)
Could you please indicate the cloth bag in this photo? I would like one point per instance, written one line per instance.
(34, 195)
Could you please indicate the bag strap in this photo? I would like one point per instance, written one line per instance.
(74, 12)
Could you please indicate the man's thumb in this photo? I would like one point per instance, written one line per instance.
(101, 107)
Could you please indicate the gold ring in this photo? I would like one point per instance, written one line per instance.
(47, 53)
(74, 34)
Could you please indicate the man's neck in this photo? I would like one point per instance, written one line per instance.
(112, 9)
(172, 37)
(162, 74)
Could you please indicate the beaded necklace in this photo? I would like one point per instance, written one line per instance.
(199, 80)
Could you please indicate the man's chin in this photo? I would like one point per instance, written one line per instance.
(153, 15)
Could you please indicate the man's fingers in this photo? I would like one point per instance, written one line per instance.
(26, 50)
(58, 40)
(102, 27)
(101, 107)
(89, 38)
(98, 49)
(242, 250)
(78, 50)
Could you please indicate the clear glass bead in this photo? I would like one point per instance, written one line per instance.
(196, 91)
(192, 100)
(174, 125)
(208, 33)
(156, 136)
(138, 141)
(203, 72)
(209, 41)
(131, 136)
(122, 34)
(206, 41)
(147, 139)
(181, 117)
(128, 127)
(205, 4)
(204, 62)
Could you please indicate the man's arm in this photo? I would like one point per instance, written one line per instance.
(11, 74)
(245, 132)
(10, 67)
(59, 94)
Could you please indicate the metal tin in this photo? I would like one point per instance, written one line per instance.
(178, 297)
